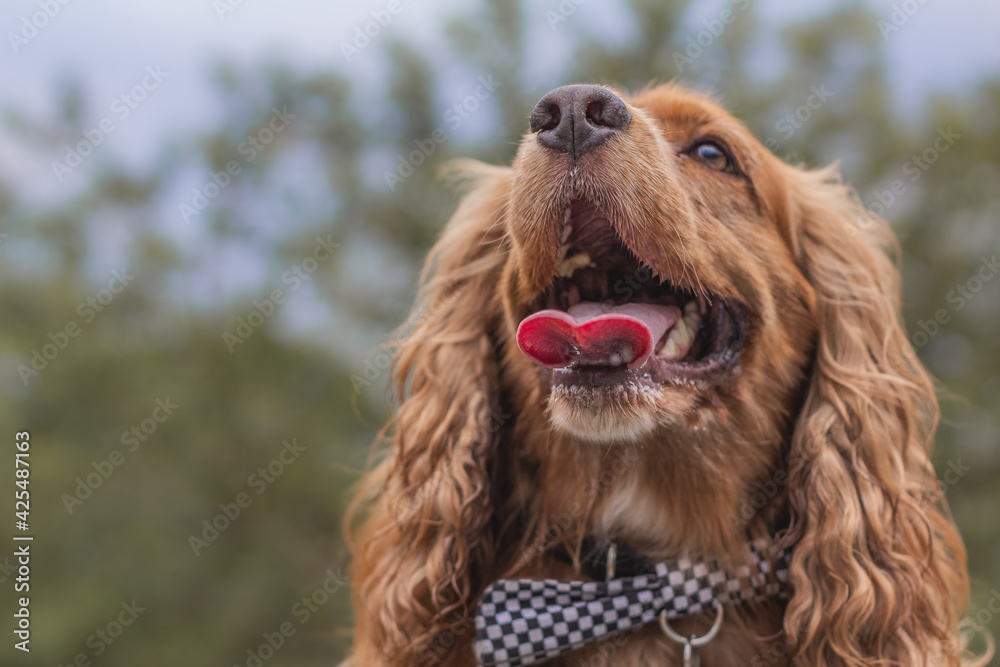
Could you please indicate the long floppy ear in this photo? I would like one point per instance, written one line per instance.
(878, 567)
(420, 523)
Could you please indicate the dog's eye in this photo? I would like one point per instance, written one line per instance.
(712, 155)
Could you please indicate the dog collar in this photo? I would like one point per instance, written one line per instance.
(524, 621)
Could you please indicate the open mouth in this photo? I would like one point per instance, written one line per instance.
(607, 318)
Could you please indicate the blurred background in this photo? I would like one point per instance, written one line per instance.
(212, 213)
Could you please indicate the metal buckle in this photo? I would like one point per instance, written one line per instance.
(609, 573)
(692, 643)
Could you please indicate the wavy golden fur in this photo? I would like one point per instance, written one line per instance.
(488, 466)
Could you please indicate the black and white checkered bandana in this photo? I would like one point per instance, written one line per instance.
(524, 621)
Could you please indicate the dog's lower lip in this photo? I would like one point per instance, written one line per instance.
(658, 371)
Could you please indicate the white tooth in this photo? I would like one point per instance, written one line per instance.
(692, 320)
(690, 307)
(670, 348)
(627, 354)
(683, 330)
(679, 337)
(616, 359)
(568, 266)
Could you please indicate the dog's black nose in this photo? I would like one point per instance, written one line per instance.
(577, 119)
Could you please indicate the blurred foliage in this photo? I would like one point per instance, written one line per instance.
(303, 373)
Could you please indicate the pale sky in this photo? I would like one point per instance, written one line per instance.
(109, 43)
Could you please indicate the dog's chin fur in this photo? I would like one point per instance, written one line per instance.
(492, 466)
(619, 413)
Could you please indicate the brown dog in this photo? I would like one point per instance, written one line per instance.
(650, 330)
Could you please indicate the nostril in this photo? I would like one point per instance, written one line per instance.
(594, 111)
(545, 117)
(554, 116)
(608, 111)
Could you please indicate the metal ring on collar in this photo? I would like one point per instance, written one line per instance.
(693, 641)
(612, 561)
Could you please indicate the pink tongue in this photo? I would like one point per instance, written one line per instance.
(595, 334)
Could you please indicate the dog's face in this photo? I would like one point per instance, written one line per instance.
(660, 208)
